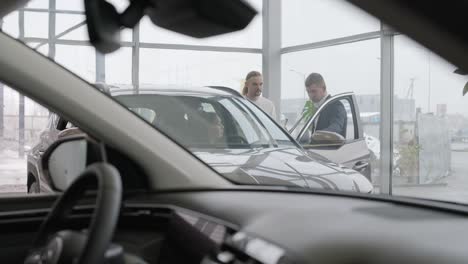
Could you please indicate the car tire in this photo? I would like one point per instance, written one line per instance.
(34, 188)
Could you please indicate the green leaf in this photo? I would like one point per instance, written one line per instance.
(465, 90)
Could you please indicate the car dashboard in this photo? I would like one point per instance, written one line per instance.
(262, 226)
(269, 226)
(183, 236)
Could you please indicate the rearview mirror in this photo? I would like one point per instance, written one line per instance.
(202, 18)
(195, 18)
(67, 158)
(321, 137)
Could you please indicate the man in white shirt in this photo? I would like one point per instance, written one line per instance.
(253, 91)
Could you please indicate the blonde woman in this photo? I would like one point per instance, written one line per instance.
(253, 91)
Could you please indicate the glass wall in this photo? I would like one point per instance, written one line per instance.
(164, 59)
(309, 21)
(69, 47)
(431, 125)
(118, 67)
(353, 66)
(332, 37)
(196, 68)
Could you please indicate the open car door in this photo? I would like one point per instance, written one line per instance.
(343, 141)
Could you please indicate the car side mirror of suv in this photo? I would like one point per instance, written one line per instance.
(327, 138)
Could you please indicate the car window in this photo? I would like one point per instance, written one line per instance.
(55, 121)
(350, 117)
(418, 150)
(50, 121)
(23, 139)
(148, 114)
(245, 123)
(328, 119)
(69, 125)
(275, 132)
(207, 121)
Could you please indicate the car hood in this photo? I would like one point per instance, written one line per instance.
(282, 166)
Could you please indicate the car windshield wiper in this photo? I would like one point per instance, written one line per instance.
(263, 144)
(254, 146)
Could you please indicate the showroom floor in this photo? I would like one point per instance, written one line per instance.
(452, 188)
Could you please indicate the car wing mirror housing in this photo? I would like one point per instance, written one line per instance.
(67, 158)
(195, 18)
(321, 137)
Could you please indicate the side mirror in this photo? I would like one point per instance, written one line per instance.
(328, 138)
(67, 158)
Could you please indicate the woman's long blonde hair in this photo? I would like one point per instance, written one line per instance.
(251, 74)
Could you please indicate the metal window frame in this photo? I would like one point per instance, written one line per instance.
(148, 45)
(136, 58)
(1, 98)
(21, 106)
(271, 53)
(100, 67)
(386, 108)
(332, 42)
(56, 11)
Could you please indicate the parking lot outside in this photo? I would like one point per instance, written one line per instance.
(13, 172)
(452, 188)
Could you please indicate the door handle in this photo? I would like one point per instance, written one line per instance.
(360, 165)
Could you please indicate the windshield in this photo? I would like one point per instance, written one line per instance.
(389, 113)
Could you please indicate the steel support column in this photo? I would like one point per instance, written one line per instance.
(136, 58)
(21, 126)
(100, 67)
(52, 22)
(2, 106)
(1, 98)
(272, 52)
(386, 109)
(21, 97)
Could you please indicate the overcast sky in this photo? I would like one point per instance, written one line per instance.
(352, 67)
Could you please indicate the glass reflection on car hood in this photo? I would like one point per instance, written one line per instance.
(280, 166)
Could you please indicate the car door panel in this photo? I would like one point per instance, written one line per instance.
(354, 152)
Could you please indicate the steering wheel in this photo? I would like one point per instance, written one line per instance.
(67, 246)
